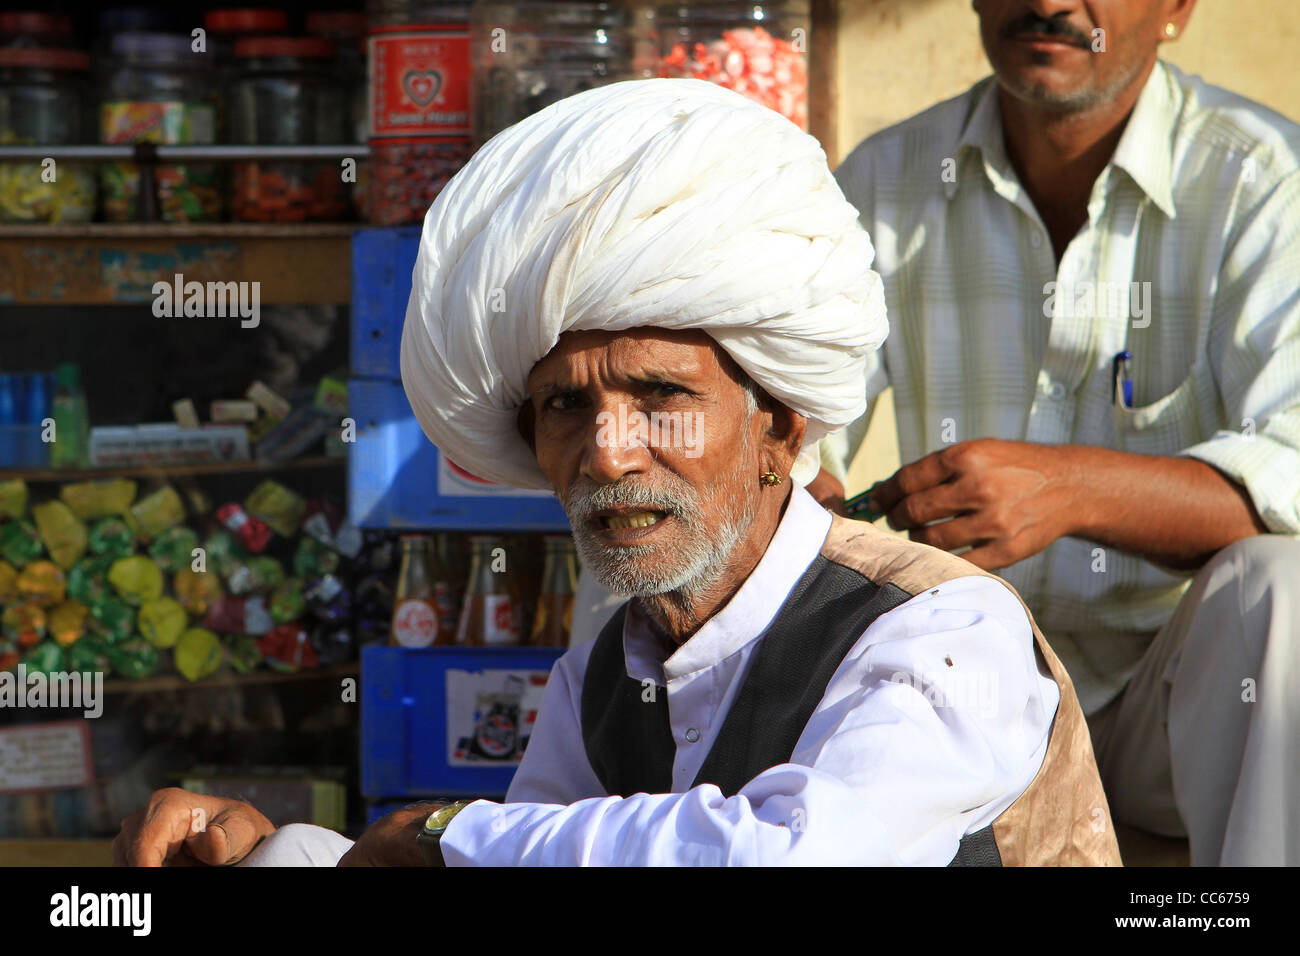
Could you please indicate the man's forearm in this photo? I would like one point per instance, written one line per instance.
(1174, 511)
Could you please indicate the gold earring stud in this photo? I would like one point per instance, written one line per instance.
(1171, 31)
(769, 478)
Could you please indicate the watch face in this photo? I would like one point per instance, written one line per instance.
(439, 819)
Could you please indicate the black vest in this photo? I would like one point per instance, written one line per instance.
(629, 740)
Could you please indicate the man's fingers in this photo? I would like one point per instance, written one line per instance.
(932, 504)
(949, 535)
(919, 475)
(122, 842)
(225, 839)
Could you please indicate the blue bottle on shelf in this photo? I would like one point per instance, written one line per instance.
(35, 452)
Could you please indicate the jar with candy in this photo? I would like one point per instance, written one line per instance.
(43, 102)
(527, 54)
(347, 31)
(287, 93)
(225, 28)
(155, 89)
(419, 71)
(759, 49)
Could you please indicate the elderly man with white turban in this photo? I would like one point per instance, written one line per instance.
(783, 686)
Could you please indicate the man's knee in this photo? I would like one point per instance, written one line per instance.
(299, 844)
(1262, 559)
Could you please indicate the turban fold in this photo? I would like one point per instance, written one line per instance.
(667, 202)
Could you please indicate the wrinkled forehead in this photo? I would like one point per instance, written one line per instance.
(636, 353)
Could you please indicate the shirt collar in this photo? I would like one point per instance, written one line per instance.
(1145, 149)
(798, 540)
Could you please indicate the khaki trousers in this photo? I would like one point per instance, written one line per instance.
(1204, 742)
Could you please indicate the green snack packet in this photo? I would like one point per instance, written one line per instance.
(158, 511)
(13, 498)
(111, 621)
(63, 532)
(89, 655)
(280, 508)
(136, 579)
(162, 621)
(287, 602)
(98, 499)
(44, 658)
(256, 576)
(19, 542)
(111, 538)
(243, 653)
(198, 653)
(313, 559)
(223, 552)
(174, 549)
(134, 660)
(88, 580)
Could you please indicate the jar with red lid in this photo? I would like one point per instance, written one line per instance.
(44, 102)
(758, 48)
(287, 93)
(33, 28)
(419, 72)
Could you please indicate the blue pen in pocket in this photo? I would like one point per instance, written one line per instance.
(1122, 380)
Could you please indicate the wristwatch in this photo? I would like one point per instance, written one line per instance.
(429, 838)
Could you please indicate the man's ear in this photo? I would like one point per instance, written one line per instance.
(785, 436)
(524, 422)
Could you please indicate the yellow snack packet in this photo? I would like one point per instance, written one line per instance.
(67, 622)
(159, 511)
(280, 508)
(196, 590)
(162, 621)
(137, 579)
(42, 583)
(98, 499)
(62, 531)
(197, 653)
(13, 498)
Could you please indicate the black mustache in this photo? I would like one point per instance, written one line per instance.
(1032, 23)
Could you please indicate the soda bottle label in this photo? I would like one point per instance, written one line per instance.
(499, 620)
(415, 624)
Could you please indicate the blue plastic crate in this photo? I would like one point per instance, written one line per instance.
(382, 260)
(397, 478)
(429, 715)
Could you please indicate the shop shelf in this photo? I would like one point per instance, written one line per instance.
(418, 705)
(397, 479)
(165, 682)
(170, 471)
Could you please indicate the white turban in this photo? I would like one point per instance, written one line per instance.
(665, 202)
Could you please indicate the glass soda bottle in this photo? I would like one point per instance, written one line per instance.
(416, 618)
(488, 616)
(554, 616)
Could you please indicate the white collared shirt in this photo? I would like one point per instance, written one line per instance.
(903, 755)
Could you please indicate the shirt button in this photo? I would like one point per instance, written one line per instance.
(1035, 239)
(1056, 391)
(692, 735)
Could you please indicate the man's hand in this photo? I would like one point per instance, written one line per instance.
(1006, 500)
(390, 841)
(179, 828)
(827, 491)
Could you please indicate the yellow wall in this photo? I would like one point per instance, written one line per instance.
(897, 57)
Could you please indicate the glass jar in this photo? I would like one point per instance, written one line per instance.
(154, 89)
(527, 54)
(419, 81)
(117, 20)
(347, 31)
(43, 102)
(287, 93)
(31, 28)
(759, 49)
(225, 28)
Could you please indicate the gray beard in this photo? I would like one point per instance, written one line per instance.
(638, 571)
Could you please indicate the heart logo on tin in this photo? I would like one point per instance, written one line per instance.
(422, 87)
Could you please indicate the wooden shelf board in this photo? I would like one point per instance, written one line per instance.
(72, 231)
(227, 680)
(170, 471)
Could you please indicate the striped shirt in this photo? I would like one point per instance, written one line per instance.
(1190, 260)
